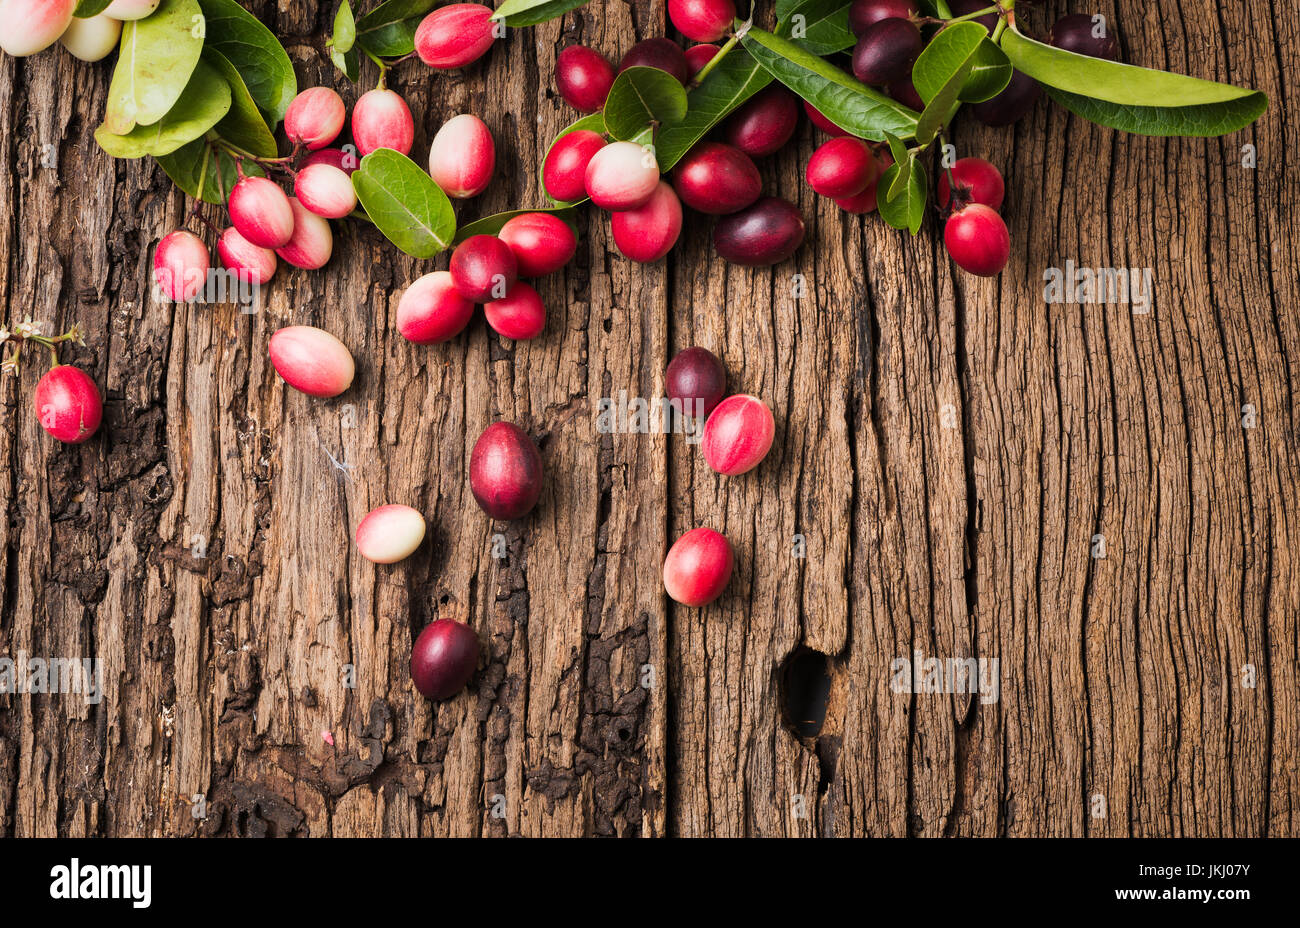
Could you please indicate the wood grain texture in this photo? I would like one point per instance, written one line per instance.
(947, 450)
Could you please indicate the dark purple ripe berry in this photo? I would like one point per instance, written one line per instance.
(664, 54)
(866, 13)
(760, 235)
(443, 658)
(1012, 104)
(1078, 33)
(697, 380)
(886, 51)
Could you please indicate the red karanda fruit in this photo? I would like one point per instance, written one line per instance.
(180, 266)
(454, 36)
(432, 310)
(583, 77)
(130, 10)
(483, 268)
(252, 263)
(312, 242)
(697, 56)
(664, 54)
(696, 382)
(717, 179)
(765, 122)
(866, 13)
(505, 471)
(822, 122)
(702, 20)
(977, 240)
(977, 180)
(1085, 34)
(325, 190)
(738, 435)
(886, 50)
(68, 404)
(542, 243)
(312, 360)
(519, 315)
(345, 159)
(698, 567)
(444, 658)
(261, 212)
(381, 119)
(462, 157)
(93, 38)
(315, 118)
(31, 26)
(841, 168)
(865, 201)
(760, 235)
(622, 175)
(564, 172)
(647, 233)
(389, 534)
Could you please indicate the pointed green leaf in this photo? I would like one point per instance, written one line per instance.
(641, 96)
(243, 126)
(989, 74)
(531, 12)
(345, 29)
(88, 8)
(257, 54)
(735, 79)
(907, 210)
(155, 59)
(205, 100)
(404, 203)
(819, 26)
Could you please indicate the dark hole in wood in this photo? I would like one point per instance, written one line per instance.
(805, 688)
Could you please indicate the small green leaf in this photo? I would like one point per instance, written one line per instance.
(185, 165)
(989, 74)
(1134, 99)
(491, 225)
(404, 203)
(947, 54)
(256, 53)
(847, 102)
(531, 12)
(819, 26)
(736, 78)
(156, 57)
(204, 101)
(88, 8)
(243, 126)
(348, 62)
(345, 29)
(907, 210)
(388, 31)
(593, 123)
(641, 96)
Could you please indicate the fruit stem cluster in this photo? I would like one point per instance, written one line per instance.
(28, 331)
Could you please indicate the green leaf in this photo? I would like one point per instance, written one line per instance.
(940, 73)
(388, 31)
(823, 29)
(1134, 99)
(88, 8)
(257, 54)
(185, 165)
(205, 100)
(243, 126)
(156, 57)
(897, 150)
(404, 203)
(849, 103)
(641, 96)
(531, 12)
(989, 74)
(491, 225)
(906, 210)
(345, 29)
(736, 78)
(348, 62)
(593, 123)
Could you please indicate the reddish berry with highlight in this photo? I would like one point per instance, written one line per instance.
(315, 118)
(697, 56)
(696, 381)
(977, 240)
(564, 172)
(483, 268)
(647, 233)
(760, 235)
(312, 242)
(444, 658)
(390, 534)
(261, 212)
(738, 435)
(977, 180)
(252, 263)
(886, 50)
(622, 175)
(702, 20)
(866, 13)
(68, 404)
(698, 567)
(432, 310)
(519, 315)
(455, 35)
(180, 266)
(381, 119)
(325, 190)
(583, 77)
(664, 54)
(312, 360)
(717, 179)
(841, 168)
(462, 157)
(764, 123)
(542, 243)
(505, 471)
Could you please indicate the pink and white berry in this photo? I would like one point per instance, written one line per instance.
(462, 157)
(93, 38)
(325, 190)
(312, 360)
(312, 242)
(738, 434)
(622, 175)
(31, 26)
(315, 117)
(180, 266)
(390, 533)
(432, 310)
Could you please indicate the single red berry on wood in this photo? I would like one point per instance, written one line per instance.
(390, 534)
(979, 180)
(432, 310)
(698, 567)
(765, 233)
(455, 35)
(311, 360)
(519, 315)
(717, 179)
(462, 157)
(542, 242)
(738, 435)
(977, 239)
(315, 117)
(68, 404)
(583, 77)
(381, 119)
(702, 20)
(444, 658)
(505, 471)
(180, 266)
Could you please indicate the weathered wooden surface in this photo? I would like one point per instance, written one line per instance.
(947, 447)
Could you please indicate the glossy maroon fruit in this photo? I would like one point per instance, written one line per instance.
(1012, 104)
(763, 234)
(841, 168)
(519, 315)
(697, 56)
(647, 233)
(1078, 33)
(763, 123)
(738, 435)
(505, 471)
(821, 122)
(702, 20)
(583, 77)
(455, 35)
(696, 381)
(886, 51)
(542, 242)
(564, 172)
(68, 404)
(444, 658)
(698, 567)
(978, 180)
(664, 54)
(866, 13)
(904, 91)
(483, 268)
(717, 179)
(966, 7)
(977, 239)
(865, 202)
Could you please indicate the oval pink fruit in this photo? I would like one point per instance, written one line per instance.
(519, 315)
(253, 263)
(315, 117)
(622, 175)
(454, 36)
(312, 360)
(312, 242)
(505, 471)
(261, 212)
(738, 434)
(564, 172)
(68, 404)
(31, 26)
(542, 243)
(325, 190)
(444, 658)
(381, 119)
(647, 233)
(180, 266)
(717, 179)
(698, 567)
(583, 77)
(390, 533)
(462, 157)
(432, 311)
(483, 268)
